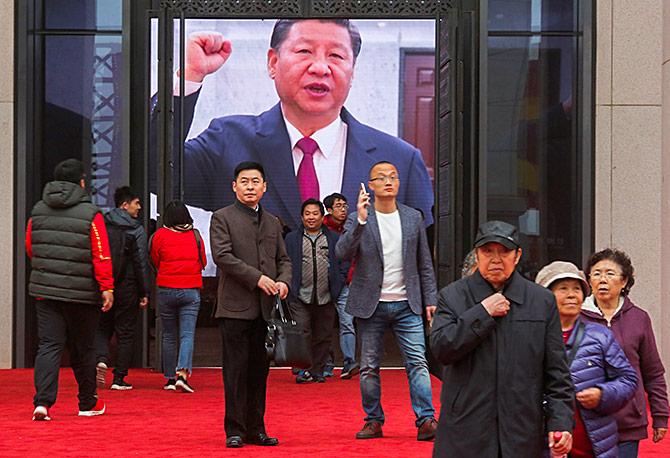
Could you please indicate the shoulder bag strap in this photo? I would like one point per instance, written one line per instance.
(198, 241)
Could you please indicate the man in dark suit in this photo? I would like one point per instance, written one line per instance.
(309, 144)
(248, 248)
(392, 285)
(318, 277)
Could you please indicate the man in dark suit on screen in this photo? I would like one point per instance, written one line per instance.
(308, 143)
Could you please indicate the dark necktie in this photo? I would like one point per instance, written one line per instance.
(308, 183)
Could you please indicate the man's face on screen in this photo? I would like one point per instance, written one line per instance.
(313, 71)
(249, 187)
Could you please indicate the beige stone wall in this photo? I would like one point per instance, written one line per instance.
(665, 192)
(6, 179)
(632, 173)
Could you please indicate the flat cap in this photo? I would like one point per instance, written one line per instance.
(499, 232)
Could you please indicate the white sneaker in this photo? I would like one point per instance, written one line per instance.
(98, 409)
(41, 413)
(101, 374)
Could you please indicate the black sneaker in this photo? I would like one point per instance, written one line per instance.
(183, 385)
(170, 385)
(349, 370)
(305, 377)
(121, 385)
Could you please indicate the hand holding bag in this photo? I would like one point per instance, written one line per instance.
(287, 342)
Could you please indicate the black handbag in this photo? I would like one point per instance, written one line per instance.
(287, 343)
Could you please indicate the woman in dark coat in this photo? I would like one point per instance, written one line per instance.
(611, 276)
(604, 379)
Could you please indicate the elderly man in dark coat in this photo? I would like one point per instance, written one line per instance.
(500, 337)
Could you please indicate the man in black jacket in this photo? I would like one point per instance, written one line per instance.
(500, 337)
(318, 277)
(128, 243)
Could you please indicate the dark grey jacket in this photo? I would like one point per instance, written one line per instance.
(363, 243)
(137, 272)
(337, 271)
(246, 245)
(62, 264)
(499, 371)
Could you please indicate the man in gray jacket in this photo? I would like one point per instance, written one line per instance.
(128, 244)
(392, 285)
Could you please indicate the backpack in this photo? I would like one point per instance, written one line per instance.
(121, 246)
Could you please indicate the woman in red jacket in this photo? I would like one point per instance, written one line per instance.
(178, 253)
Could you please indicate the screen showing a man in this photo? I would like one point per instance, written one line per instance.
(309, 144)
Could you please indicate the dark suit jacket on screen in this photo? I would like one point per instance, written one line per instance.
(211, 157)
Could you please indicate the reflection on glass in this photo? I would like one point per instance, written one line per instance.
(82, 109)
(83, 14)
(532, 161)
(531, 15)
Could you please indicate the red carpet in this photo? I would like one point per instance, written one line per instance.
(310, 420)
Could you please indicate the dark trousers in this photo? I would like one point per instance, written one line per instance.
(59, 324)
(245, 375)
(122, 320)
(318, 321)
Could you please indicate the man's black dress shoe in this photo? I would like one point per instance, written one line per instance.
(262, 439)
(234, 442)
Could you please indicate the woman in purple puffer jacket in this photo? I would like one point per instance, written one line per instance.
(604, 379)
(611, 276)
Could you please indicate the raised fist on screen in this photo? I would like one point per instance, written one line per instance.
(206, 52)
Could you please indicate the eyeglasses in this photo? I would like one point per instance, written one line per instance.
(610, 275)
(384, 179)
(340, 206)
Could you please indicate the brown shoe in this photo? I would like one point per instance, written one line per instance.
(371, 430)
(427, 430)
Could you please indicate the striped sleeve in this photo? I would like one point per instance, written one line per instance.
(102, 257)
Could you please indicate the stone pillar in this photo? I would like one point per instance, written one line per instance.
(632, 172)
(664, 338)
(6, 181)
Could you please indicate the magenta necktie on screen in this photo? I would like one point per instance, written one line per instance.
(307, 180)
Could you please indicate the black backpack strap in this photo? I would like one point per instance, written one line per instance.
(575, 344)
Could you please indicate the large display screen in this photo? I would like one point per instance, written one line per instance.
(363, 89)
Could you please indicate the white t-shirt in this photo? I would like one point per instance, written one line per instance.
(393, 285)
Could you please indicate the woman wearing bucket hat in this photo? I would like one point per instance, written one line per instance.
(611, 276)
(604, 379)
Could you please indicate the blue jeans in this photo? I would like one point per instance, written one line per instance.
(347, 330)
(179, 312)
(628, 449)
(408, 330)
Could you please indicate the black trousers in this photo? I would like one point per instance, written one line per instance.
(59, 324)
(245, 375)
(122, 320)
(318, 321)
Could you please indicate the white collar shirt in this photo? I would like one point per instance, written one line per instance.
(328, 158)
